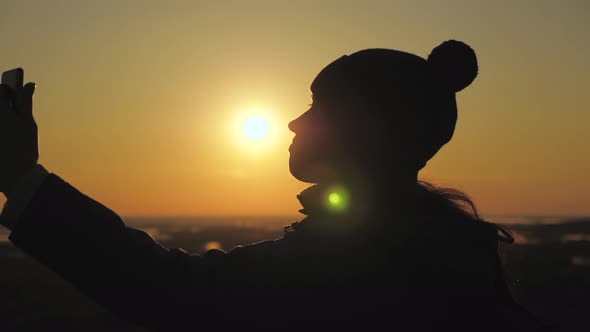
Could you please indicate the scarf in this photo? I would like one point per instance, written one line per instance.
(328, 208)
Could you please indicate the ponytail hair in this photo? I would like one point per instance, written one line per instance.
(453, 202)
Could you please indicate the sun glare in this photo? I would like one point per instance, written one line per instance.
(255, 128)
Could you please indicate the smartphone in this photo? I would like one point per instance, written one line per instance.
(13, 78)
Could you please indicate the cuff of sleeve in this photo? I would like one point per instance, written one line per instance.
(21, 195)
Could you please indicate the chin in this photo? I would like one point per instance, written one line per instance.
(310, 171)
(303, 176)
(298, 171)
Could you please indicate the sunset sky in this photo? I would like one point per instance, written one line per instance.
(139, 103)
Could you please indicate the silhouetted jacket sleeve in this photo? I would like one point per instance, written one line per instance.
(124, 268)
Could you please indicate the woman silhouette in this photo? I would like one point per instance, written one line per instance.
(378, 249)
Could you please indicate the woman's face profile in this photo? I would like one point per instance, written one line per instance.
(311, 154)
(326, 139)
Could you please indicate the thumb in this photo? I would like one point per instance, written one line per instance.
(27, 99)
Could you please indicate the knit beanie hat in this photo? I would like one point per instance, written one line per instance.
(411, 100)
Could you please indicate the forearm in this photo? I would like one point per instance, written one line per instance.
(120, 267)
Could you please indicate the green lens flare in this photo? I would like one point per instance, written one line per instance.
(337, 199)
(334, 198)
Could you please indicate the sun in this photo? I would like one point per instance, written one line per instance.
(255, 128)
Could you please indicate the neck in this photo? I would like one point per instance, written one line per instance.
(373, 193)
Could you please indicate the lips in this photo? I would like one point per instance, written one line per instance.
(292, 143)
(293, 146)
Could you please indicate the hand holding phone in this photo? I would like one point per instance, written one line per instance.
(19, 150)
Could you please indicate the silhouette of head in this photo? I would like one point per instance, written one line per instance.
(380, 113)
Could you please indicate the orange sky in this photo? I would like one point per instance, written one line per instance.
(137, 101)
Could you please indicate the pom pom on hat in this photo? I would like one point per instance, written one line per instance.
(455, 63)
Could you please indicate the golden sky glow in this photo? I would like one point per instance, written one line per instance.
(138, 102)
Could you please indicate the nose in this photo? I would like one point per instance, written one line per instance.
(292, 125)
(295, 125)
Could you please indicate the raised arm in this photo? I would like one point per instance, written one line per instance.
(128, 272)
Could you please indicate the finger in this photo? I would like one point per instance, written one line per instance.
(27, 99)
